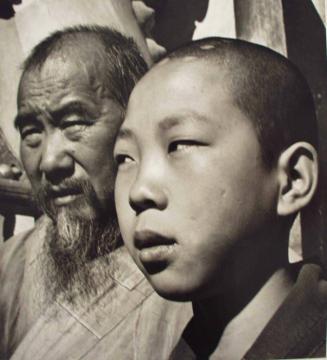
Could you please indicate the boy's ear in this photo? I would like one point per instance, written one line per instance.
(297, 176)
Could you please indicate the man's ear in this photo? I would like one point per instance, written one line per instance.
(297, 176)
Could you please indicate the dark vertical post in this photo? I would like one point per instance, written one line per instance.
(294, 28)
(306, 46)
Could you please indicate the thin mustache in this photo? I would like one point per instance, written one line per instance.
(68, 187)
(64, 191)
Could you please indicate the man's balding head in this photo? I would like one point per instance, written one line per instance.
(105, 48)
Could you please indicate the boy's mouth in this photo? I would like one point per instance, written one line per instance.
(153, 247)
(149, 238)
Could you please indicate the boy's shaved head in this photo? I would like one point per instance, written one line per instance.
(215, 157)
(266, 86)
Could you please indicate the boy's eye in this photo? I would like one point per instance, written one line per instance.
(122, 159)
(183, 145)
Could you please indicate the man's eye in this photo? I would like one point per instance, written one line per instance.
(74, 128)
(183, 145)
(122, 159)
(75, 124)
(31, 136)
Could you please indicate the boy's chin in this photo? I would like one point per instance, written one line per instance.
(174, 289)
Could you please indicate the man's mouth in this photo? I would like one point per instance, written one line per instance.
(64, 196)
(154, 247)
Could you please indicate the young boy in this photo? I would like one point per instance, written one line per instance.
(215, 158)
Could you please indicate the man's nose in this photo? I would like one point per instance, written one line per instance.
(148, 190)
(56, 163)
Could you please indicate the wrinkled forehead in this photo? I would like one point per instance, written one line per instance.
(54, 69)
(71, 65)
(59, 78)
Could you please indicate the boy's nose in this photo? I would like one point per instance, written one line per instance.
(148, 190)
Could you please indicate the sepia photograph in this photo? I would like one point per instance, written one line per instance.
(163, 172)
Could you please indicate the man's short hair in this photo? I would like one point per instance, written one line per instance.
(123, 62)
(266, 87)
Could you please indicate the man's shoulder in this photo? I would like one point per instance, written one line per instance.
(14, 251)
(15, 255)
(122, 320)
(15, 284)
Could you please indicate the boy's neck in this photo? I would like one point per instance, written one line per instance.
(238, 334)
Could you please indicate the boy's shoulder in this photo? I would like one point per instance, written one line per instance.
(298, 328)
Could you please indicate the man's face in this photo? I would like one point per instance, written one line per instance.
(67, 123)
(193, 196)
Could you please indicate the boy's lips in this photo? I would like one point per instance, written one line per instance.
(149, 238)
(154, 247)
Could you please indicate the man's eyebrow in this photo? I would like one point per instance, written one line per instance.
(74, 107)
(169, 122)
(20, 119)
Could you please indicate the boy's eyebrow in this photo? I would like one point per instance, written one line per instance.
(166, 123)
(175, 120)
(124, 133)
